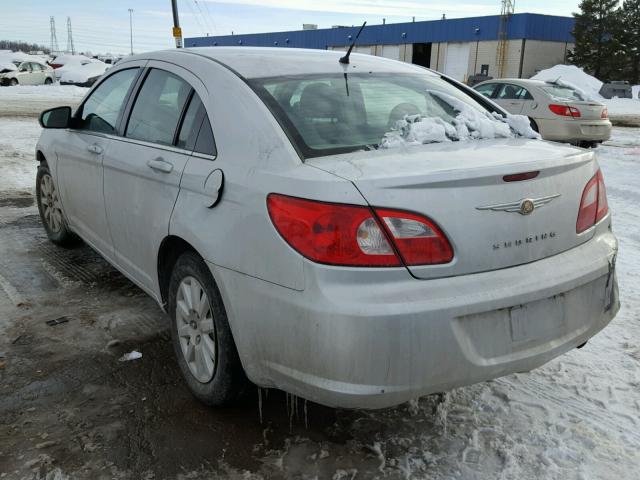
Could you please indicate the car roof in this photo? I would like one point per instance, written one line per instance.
(256, 62)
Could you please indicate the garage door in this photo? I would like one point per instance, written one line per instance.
(456, 61)
(391, 51)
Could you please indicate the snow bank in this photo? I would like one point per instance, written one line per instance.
(574, 77)
(469, 124)
(44, 92)
(7, 56)
(636, 92)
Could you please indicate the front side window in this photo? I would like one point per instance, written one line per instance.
(486, 90)
(158, 107)
(101, 110)
(325, 114)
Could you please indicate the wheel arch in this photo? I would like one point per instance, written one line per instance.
(171, 247)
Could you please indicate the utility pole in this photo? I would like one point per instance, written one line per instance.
(177, 31)
(54, 38)
(131, 28)
(70, 47)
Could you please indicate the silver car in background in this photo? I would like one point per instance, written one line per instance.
(559, 112)
(248, 192)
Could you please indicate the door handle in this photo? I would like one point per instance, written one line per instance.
(95, 148)
(160, 165)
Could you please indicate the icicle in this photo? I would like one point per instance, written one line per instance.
(291, 413)
(260, 404)
(306, 421)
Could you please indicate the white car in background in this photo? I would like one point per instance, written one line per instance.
(79, 70)
(27, 73)
(557, 111)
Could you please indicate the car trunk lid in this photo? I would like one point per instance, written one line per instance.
(464, 191)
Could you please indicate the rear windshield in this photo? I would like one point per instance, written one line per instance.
(563, 92)
(330, 114)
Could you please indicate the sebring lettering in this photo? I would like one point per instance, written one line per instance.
(523, 241)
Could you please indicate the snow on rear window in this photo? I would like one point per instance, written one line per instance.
(466, 123)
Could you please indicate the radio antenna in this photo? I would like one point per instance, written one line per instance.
(345, 59)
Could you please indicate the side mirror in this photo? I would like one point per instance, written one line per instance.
(59, 117)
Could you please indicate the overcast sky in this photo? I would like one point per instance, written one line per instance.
(103, 25)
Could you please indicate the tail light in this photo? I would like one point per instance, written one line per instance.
(605, 113)
(565, 110)
(352, 235)
(593, 204)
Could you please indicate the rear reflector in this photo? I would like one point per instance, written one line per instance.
(352, 235)
(593, 204)
(518, 177)
(565, 110)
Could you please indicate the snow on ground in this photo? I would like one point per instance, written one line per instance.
(41, 92)
(17, 153)
(578, 417)
(30, 100)
(576, 77)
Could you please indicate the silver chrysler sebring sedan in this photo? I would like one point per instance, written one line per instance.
(357, 232)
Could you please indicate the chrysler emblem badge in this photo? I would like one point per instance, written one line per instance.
(526, 206)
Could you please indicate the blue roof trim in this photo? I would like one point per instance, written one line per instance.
(521, 25)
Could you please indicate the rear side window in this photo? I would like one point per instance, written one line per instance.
(514, 92)
(158, 107)
(195, 132)
(101, 110)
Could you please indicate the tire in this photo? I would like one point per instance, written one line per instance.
(213, 372)
(48, 81)
(13, 82)
(51, 210)
(534, 125)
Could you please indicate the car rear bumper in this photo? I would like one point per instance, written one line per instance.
(378, 342)
(570, 130)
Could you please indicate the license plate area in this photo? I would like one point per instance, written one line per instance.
(538, 320)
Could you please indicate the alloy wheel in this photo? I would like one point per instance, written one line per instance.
(196, 329)
(51, 209)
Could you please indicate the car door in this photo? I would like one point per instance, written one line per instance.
(24, 74)
(80, 155)
(143, 170)
(37, 75)
(509, 98)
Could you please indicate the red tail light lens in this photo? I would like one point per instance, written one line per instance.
(351, 235)
(565, 110)
(605, 113)
(593, 204)
(418, 240)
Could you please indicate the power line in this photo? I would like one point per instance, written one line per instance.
(193, 13)
(204, 17)
(206, 7)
